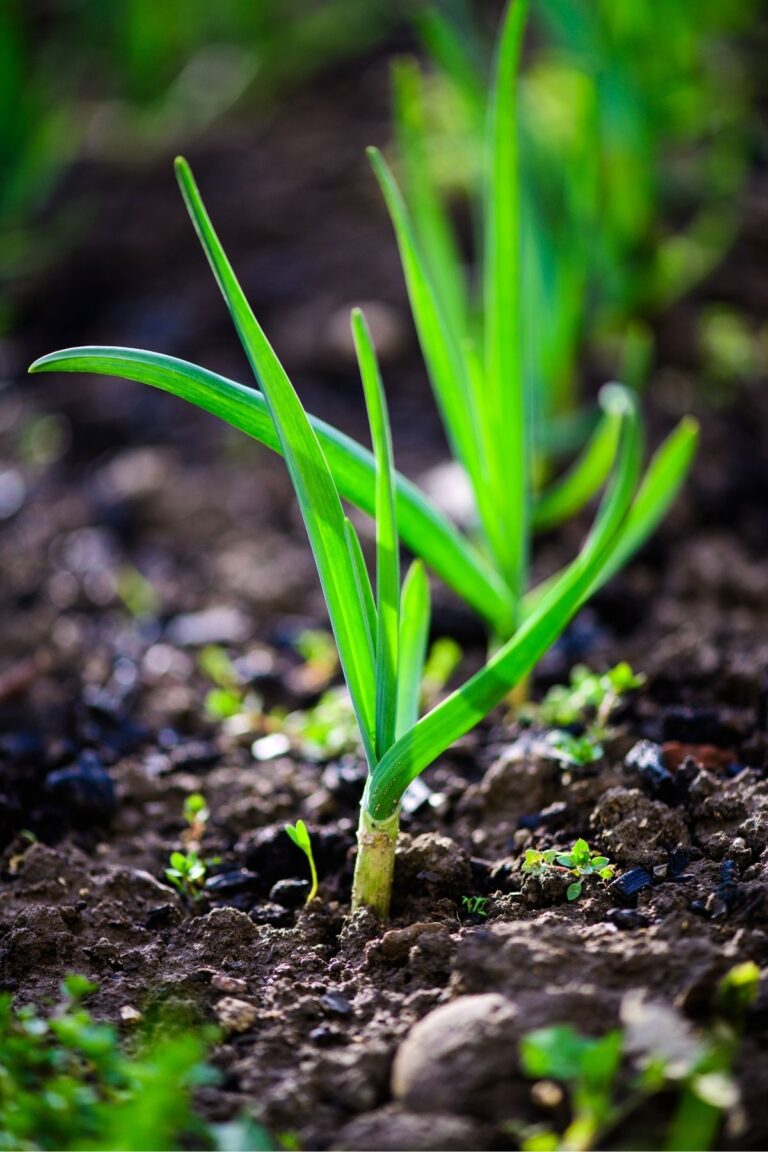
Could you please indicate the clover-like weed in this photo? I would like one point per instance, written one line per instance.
(580, 862)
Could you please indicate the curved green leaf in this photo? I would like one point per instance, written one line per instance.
(311, 477)
(468, 705)
(387, 543)
(414, 633)
(422, 527)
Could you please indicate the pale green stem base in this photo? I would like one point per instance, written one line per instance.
(376, 842)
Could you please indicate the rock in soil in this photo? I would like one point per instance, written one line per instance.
(461, 1058)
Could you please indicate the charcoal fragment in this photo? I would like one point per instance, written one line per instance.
(336, 1003)
(627, 918)
(627, 886)
(646, 760)
(230, 883)
(84, 789)
(289, 893)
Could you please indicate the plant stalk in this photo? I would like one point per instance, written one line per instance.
(375, 865)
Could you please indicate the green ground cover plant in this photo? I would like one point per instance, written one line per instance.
(68, 1082)
(579, 863)
(381, 627)
(609, 1078)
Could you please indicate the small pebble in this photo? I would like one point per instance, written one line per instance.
(235, 1015)
(231, 984)
(336, 1003)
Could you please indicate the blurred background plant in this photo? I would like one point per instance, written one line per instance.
(636, 134)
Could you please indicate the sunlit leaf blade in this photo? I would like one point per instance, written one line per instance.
(422, 527)
(504, 415)
(363, 580)
(387, 544)
(661, 484)
(586, 476)
(431, 221)
(664, 477)
(414, 633)
(464, 708)
(312, 481)
(442, 352)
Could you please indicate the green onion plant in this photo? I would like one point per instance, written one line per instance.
(381, 626)
(635, 128)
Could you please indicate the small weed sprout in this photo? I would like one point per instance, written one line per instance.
(475, 905)
(327, 730)
(299, 833)
(226, 698)
(589, 698)
(317, 649)
(574, 751)
(581, 862)
(187, 873)
(196, 814)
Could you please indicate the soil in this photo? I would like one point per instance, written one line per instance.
(103, 734)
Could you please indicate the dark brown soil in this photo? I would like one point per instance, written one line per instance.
(102, 732)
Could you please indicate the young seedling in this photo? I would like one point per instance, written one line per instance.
(196, 814)
(299, 834)
(66, 1081)
(581, 862)
(475, 905)
(187, 873)
(381, 637)
(573, 751)
(589, 698)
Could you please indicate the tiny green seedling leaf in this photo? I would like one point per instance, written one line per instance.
(299, 833)
(187, 873)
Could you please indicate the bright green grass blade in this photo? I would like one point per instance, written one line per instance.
(414, 633)
(311, 477)
(442, 352)
(664, 477)
(583, 480)
(504, 415)
(387, 543)
(463, 709)
(363, 581)
(661, 484)
(432, 224)
(422, 527)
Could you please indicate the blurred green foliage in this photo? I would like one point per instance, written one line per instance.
(636, 131)
(66, 1081)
